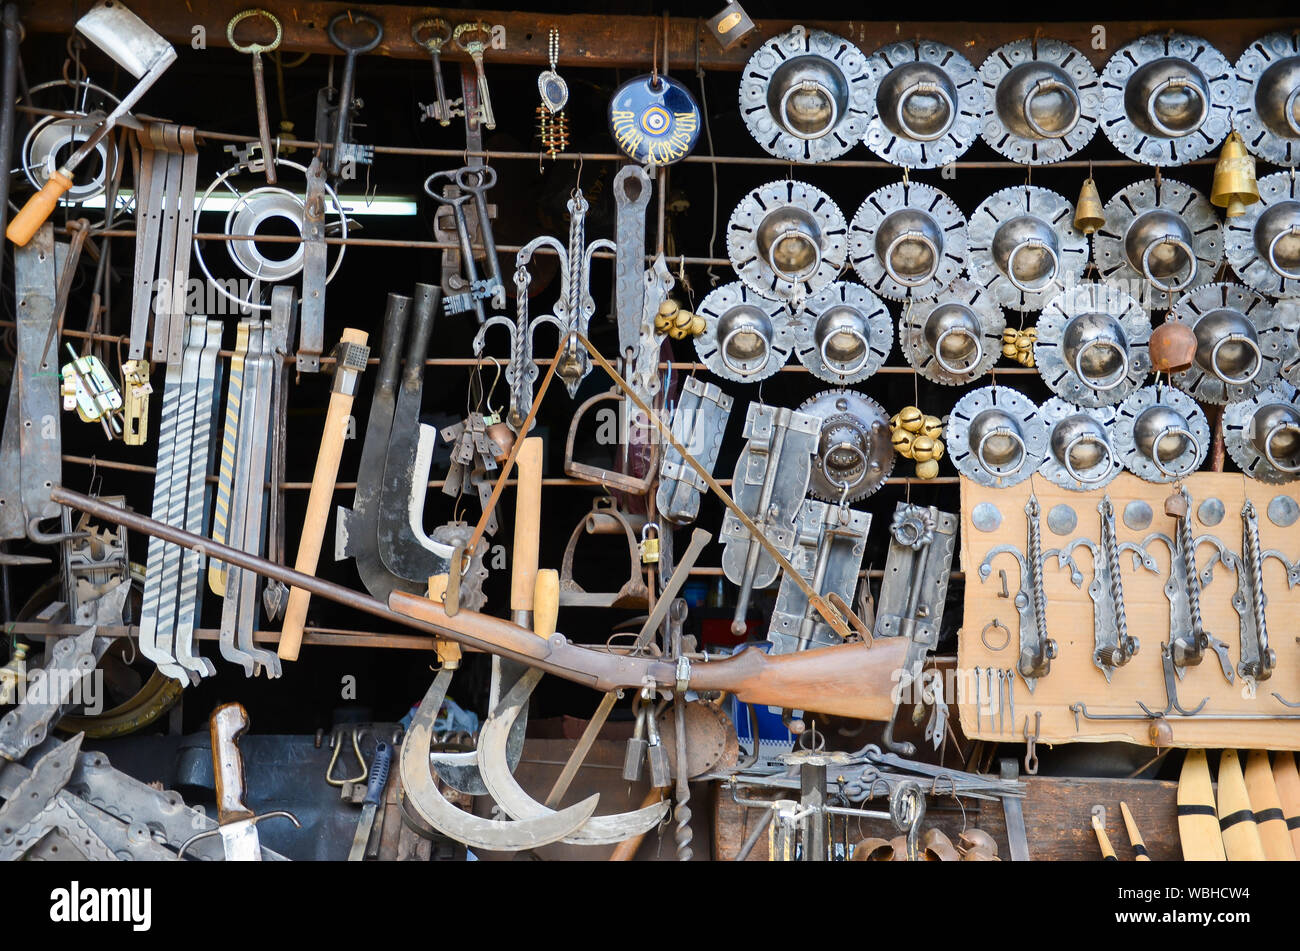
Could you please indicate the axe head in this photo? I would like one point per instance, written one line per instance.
(132, 43)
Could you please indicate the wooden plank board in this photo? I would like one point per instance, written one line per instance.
(1073, 677)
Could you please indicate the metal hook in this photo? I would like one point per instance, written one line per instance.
(337, 742)
(35, 534)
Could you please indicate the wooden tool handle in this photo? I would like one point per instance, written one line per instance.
(1103, 840)
(1267, 807)
(1134, 835)
(546, 602)
(449, 653)
(1287, 780)
(1198, 826)
(319, 502)
(528, 523)
(39, 207)
(1236, 820)
(228, 723)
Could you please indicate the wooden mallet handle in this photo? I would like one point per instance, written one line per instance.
(528, 522)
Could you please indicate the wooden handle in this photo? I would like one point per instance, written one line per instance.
(546, 602)
(1236, 821)
(319, 502)
(39, 207)
(1287, 780)
(1134, 835)
(1198, 828)
(228, 723)
(1103, 840)
(1266, 804)
(448, 651)
(528, 523)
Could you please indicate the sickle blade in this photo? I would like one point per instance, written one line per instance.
(487, 834)
(510, 796)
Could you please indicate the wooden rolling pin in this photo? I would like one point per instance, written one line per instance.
(528, 525)
(1287, 780)
(1267, 807)
(351, 354)
(1198, 828)
(1236, 820)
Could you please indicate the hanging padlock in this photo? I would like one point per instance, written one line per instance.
(635, 755)
(649, 546)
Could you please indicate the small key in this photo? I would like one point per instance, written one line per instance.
(439, 33)
(351, 52)
(259, 80)
(475, 47)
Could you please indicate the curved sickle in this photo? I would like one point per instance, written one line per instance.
(430, 805)
(510, 796)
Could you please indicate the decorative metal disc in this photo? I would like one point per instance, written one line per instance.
(908, 240)
(1268, 74)
(746, 337)
(1286, 317)
(1263, 245)
(787, 240)
(807, 95)
(1166, 418)
(964, 314)
(844, 333)
(1025, 225)
(1210, 512)
(1099, 330)
(1283, 511)
(1043, 101)
(1234, 327)
(996, 436)
(1158, 223)
(854, 447)
(1267, 424)
(1137, 515)
(1083, 437)
(986, 517)
(654, 120)
(929, 104)
(1167, 99)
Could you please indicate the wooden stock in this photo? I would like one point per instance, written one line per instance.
(849, 680)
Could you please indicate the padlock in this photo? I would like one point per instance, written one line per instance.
(649, 546)
(635, 755)
(660, 773)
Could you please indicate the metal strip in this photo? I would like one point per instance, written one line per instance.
(284, 316)
(184, 240)
(163, 317)
(39, 437)
(252, 332)
(153, 174)
(226, 470)
(311, 334)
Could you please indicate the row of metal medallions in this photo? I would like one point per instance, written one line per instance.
(1163, 100)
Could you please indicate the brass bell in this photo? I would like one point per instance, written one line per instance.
(1234, 178)
(1088, 213)
(503, 437)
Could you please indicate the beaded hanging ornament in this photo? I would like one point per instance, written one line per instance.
(552, 123)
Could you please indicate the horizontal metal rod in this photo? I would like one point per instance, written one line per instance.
(325, 637)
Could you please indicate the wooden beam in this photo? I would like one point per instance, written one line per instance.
(627, 41)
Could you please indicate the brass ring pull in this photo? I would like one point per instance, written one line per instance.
(252, 48)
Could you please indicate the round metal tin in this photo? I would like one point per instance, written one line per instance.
(1082, 321)
(1025, 218)
(844, 333)
(1167, 99)
(908, 240)
(787, 240)
(1139, 219)
(1222, 314)
(996, 436)
(807, 95)
(1069, 428)
(1044, 101)
(930, 104)
(1268, 75)
(1251, 429)
(1155, 413)
(754, 330)
(966, 311)
(1263, 245)
(654, 120)
(854, 448)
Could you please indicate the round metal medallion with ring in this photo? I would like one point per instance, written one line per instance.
(654, 120)
(908, 240)
(954, 338)
(746, 337)
(844, 333)
(1044, 99)
(1263, 245)
(996, 436)
(787, 240)
(1267, 110)
(1091, 345)
(930, 104)
(1161, 434)
(1023, 246)
(1164, 237)
(854, 453)
(1262, 434)
(1239, 347)
(1080, 455)
(1167, 99)
(807, 95)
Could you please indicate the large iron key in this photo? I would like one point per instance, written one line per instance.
(351, 51)
(259, 80)
(476, 180)
(469, 300)
(439, 32)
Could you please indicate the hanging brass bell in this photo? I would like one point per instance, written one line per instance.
(503, 437)
(1089, 215)
(1234, 178)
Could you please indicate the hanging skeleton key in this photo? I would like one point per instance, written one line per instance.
(259, 80)
(342, 119)
(439, 33)
(479, 35)
(478, 289)
(476, 180)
